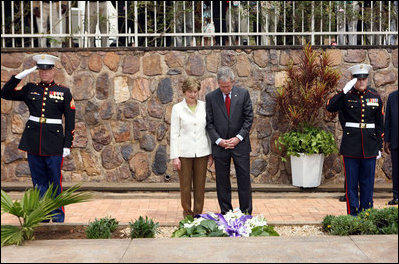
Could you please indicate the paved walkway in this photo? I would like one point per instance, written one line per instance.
(355, 249)
(165, 208)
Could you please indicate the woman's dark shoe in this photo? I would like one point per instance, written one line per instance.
(342, 198)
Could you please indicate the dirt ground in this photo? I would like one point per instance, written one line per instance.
(75, 232)
(122, 232)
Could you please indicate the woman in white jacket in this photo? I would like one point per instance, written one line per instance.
(190, 146)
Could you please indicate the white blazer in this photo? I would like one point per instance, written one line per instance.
(188, 136)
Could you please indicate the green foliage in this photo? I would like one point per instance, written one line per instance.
(346, 225)
(326, 223)
(369, 222)
(264, 231)
(101, 228)
(143, 228)
(33, 209)
(310, 141)
(385, 220)
(207, 228)
(305, 91)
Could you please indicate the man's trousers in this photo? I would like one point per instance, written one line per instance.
(359, 173)
(44, 171)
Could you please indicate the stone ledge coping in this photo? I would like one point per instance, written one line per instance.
(67, 226)
(210, 187)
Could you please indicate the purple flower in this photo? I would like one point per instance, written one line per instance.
(234, 227)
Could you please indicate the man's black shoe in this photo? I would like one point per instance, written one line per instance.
(342, 198)
(393, 202)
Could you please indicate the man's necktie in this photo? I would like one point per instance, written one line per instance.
(227, 102)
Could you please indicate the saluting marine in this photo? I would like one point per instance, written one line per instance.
(43, 138)
(362, 110)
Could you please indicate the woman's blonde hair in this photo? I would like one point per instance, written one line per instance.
(191, 84)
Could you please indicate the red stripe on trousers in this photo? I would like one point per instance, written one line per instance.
(348, 209)
(62, 162)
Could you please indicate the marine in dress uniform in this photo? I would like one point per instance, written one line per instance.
(44, 138)
(362, 111)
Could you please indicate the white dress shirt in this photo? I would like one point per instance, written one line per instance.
(188, 136)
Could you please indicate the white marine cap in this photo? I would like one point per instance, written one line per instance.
(360, 70)
(45, 61)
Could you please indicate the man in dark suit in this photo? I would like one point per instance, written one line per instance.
(391, 140)
(229, 118)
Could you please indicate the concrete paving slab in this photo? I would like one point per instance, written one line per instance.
(385, 249)
(66, 251)
(257, 249)
(245, 250)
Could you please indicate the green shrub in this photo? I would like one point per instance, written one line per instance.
(345, 225)
(143, 228)
(385, 220)
(326, 224)
(101, 228)
(369, 222)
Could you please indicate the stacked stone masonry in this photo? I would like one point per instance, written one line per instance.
(124, 101)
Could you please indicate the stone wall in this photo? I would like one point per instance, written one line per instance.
(124, 101)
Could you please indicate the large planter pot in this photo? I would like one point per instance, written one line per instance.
(306, 170)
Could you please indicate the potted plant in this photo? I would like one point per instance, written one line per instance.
(300, 103)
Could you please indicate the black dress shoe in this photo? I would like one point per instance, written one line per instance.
(393, 202)
(342, 198)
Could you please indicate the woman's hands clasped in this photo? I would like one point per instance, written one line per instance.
(176, 164)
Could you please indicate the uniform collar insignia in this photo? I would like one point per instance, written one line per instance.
(46, 84)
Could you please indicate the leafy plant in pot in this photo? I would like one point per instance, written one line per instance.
(300, 102)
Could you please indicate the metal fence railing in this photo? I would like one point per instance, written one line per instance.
(196, 23)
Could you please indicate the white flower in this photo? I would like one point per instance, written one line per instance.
(255, 221)
(235, 214)
(196, 222)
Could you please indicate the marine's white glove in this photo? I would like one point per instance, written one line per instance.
(379, 155)
(349, 85)
(66, 152)
(25, 73)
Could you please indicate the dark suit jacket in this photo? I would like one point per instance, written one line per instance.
(391, 120)
(219, 125)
